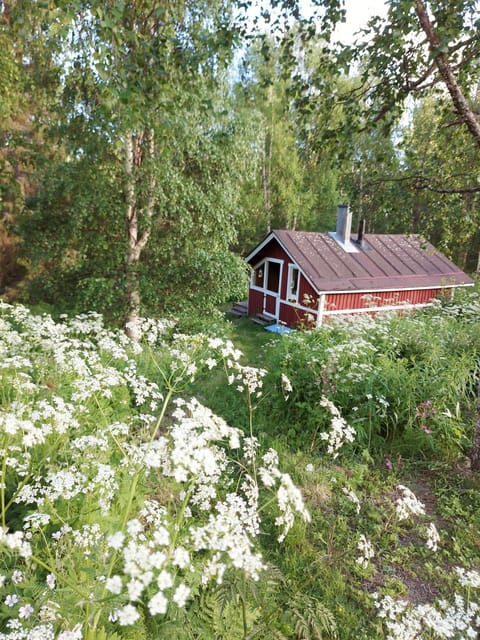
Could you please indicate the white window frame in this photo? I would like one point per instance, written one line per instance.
(293, 297)
(261, 265)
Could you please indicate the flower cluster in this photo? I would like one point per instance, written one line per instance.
(407, 504)
(352, 496)
(425, 411)
(433, 537)
(286, 386)
(468, 578)
(116, 505)
(366, 552)
(340, 431)
(458, 620)
(248, 379)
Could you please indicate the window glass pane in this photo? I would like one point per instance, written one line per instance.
(273, 277)
(293, 280)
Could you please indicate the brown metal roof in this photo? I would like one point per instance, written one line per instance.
(383, 262)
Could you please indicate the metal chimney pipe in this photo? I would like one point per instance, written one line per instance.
(344, 223)
(361, 232)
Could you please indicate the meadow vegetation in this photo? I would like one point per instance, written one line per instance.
(225, 483)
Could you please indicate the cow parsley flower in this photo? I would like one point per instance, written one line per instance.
(181, 595)
(433, 537)
(408, 504)
(158, 604)
(366, 550)
(340, 432)
(289, 499)
(164, 580)
(286, 386)
(127, 615)
(115, 540)
(459, 619)
(352, 496)
(114, 585)
(468, 578)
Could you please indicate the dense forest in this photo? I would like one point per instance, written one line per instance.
(146, 146)
(168, 471)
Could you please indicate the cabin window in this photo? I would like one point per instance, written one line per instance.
(258, 276)
(292, 283)
(273, 276)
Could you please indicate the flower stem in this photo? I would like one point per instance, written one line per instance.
(59, 576)
(128, 508)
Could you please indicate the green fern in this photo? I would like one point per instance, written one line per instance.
(311, 620)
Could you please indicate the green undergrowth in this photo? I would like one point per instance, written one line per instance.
(372, 420)
(408, 387)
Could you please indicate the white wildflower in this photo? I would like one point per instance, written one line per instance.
(114, 584)
(366, 549)
(17, 576)
(340, 431)
(408, 504)
(468, 578)
(352, 496)
(115, 540)
(11, 600)
(127, 615)
(51, 581)
(135, 589)
(164, 580)
(433, 537)
(25, 611)
(181, 557)
(286, 386)
(181, 595)
(158, 604)
(210, 363)
(289, 499)
(74, 634)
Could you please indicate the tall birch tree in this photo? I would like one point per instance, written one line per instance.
(134, 75)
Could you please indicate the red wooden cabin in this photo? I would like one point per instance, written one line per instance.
(305, 277)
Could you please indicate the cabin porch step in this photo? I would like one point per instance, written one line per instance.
(262, 319)
(239, 309)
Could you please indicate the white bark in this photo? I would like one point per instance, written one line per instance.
(134, 156)
(461, 105)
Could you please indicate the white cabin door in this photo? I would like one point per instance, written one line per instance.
(272, 282)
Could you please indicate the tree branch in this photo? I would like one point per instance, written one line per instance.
(424, 183)
(445, 70)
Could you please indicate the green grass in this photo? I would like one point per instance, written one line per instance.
(253, 340)
(320, 559)
(315, 572)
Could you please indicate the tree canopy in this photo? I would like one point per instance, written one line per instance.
(146, 145)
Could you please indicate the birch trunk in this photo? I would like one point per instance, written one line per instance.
(470, 120)
(135, 145)
(461, 105)
(266, 178)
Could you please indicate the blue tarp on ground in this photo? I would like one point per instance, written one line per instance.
(279, 328)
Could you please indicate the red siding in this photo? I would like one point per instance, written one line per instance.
(288, 314)
(291, 315)
(255, 302)
(347, 301)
